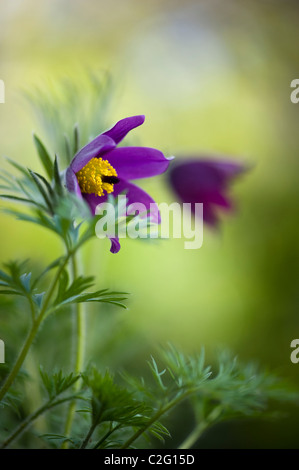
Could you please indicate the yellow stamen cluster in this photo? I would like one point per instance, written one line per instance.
(90, 177)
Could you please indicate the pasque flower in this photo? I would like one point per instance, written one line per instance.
(199, 180)
(101, 168)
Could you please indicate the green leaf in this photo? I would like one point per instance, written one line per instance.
(103, 295)
(68, 148)
(78, 286)
(38, 299)
(19, 283)
(57, 383)
(111, 402)
(47, 185)
(76, 138)
(52, 265)
(24, 217)
(44, 156)
(10, 292)
(13, 400)
(156, 374)
(22, 199)
(62, 286)
(25, 281)
(159, 431)
(57, 179)
(4, 276)
(42, 190)
(19, 167)
(60, 439)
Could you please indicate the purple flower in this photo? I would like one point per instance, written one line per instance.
(204, 181)
(100, 168)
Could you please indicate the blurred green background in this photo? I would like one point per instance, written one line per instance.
(213, 78)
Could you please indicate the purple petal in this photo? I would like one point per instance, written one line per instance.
(115, 245)
(200, 177)
(93, 200)
(96, 148)
(133, 194)
(219, 199)
(136, 195)
(192, 176)
(72, 182)
(133, 163)
(229, 169)
(121, 128)
(209, 215)
(204, 181)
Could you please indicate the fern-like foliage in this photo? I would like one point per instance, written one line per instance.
(130, 411)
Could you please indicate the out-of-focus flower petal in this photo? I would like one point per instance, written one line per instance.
(227, 168)
(96, 148)
(122, 127)
(204, 181)
(133, 163)
(219, 199)
(191, 176)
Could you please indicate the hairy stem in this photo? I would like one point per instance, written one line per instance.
(80, 339)
(200, 428)
(108, 434)
(155, 418)
(18, 364)
(95, 422)
(194, 435)
(80, 328)
(88, 436)
(33, 331)
(32, 417)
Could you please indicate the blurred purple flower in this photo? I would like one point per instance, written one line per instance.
(100, 168)
(204, 181)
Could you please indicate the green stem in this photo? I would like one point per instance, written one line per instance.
(80, 329)
(32, 308)
(32, 417)
(194, 435)
(18, 364)
(108, 433)
(80, 336)
(95, 422)
(155, 418)
(88, 436)
(33, 331)
(200, 428)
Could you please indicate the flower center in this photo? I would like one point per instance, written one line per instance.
(96, 177)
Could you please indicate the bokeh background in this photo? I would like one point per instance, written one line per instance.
(213, 78)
